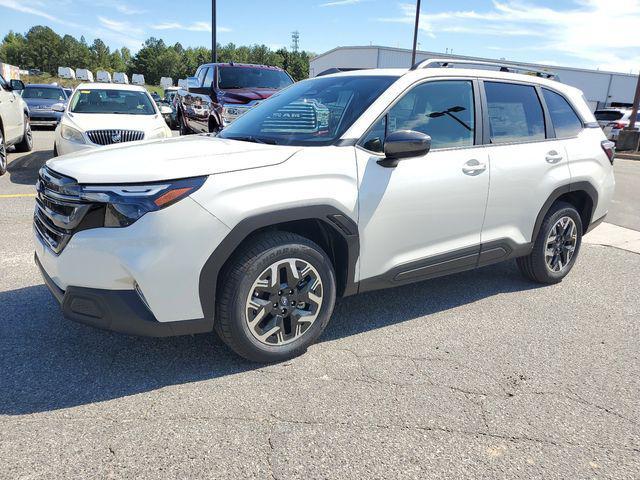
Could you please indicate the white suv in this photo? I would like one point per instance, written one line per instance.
(334, 186)
(15, 128)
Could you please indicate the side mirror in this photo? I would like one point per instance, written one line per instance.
(165, 110)
(58, 107)
(192, 82)
(404, 144)
(16, 85)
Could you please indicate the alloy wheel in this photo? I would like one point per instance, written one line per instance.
(3, 154)
(561, 244)
(27, 131)
(284, 302)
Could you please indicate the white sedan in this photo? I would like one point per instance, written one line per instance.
(105, 114)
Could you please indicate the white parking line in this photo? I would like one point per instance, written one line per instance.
(614, 236)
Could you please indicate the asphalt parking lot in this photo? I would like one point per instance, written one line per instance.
(477, 375)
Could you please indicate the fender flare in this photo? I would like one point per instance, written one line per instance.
(331, 216)
(556, 194)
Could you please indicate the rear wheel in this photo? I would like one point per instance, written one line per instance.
(556, 247)
(276, 298)
(3, 154)
(26, 144)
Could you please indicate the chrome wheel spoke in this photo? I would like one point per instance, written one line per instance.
(561, 244)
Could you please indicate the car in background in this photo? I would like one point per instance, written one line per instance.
(68, 91)
(169, 100)
(222, 92)
(105, 114)
(613, 120)
(15, 128)
(41, 98)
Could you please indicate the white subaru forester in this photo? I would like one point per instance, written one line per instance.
(335, 186)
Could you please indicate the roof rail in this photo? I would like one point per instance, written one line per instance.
(449, 62)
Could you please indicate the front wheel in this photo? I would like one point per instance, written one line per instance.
(276, 297)
(3, 154)
(556, 247)
(26, 144)
(182, 125)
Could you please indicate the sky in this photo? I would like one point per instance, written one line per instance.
(581, 33)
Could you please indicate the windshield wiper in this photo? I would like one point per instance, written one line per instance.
(252, 139)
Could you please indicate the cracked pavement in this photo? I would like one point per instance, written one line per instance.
(477, 375)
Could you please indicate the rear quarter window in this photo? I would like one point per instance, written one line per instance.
(515, 113)
(564, 119)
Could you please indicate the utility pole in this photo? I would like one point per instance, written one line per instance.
(295, 41)
(415, 34)
(634, 111)
(214, 40)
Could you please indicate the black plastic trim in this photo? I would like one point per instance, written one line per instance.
(117, 310)
(595, 223)
(329, 215)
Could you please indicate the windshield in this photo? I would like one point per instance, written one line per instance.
(246, 77)
(44, 93)
(312, 112)
(112, 101)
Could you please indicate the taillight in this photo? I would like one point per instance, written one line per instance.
(618, 126)
(609, 149)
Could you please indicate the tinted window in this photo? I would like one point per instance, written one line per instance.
(515, 113)
(202, 74)
(208, 80)
(565, 121)
(312, 112)
(442, 110)
(248, 77)
(112, 101)
(608, 115)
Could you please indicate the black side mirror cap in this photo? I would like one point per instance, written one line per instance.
(404, 144)
(17, 85)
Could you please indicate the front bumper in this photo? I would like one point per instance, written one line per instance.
(120, 311)
(64, 146)
(44, 118)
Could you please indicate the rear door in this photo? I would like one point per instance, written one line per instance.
(527, 162)
(11, 113)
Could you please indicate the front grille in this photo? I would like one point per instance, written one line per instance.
(59, 212)
(110, 137)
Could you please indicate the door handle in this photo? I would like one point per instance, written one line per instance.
(473, 168)
(553, 157)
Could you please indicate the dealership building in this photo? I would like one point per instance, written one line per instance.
(600, 88)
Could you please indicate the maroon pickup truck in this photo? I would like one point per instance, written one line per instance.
(221, 92)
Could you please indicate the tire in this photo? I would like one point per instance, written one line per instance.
(271, 307)
(55, 150)
(184, 129)
(553, 256)
(4, 159)
(26, 144)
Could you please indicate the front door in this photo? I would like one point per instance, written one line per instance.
(423, 218)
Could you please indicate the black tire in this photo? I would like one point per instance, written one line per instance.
(236, 287)
(534, 266)
(26, 144)
(55, 150)
(182, 125)
(4, 159)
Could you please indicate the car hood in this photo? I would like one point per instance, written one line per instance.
(41, 102)
(246, 95)
(90, 121)
(160, 160)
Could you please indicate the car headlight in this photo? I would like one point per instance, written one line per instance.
(127, 203)
(162, 132)
(71, 134)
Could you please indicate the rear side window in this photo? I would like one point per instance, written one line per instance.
(565, 121)
(515, 113)
(201, 75)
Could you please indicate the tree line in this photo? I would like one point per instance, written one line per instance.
(42, 48)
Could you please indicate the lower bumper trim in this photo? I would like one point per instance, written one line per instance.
(117, 310)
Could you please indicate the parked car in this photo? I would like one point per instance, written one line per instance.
(613, 120)
(66, 72)
(103, 76)
(104, 114)
(84, 74)
(41, 98)
(68, 92)
(338, 185)
(169, 100)
(15, 128)
(120, 77)
(222, 92)
(137, 79)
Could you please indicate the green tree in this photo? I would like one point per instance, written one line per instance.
(13, 49)
(100, 55)
(43, 49)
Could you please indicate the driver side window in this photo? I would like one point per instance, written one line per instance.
(444, 110)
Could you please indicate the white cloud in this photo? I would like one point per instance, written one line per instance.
(194, 27)
(33, 8)
(120, 27)
(594, 32)
(339, 3)
(128, 9)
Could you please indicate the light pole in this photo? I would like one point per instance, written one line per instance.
(415, 34)
(214, 41)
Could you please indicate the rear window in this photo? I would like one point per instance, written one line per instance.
(565, 121)
(515, 113)
(608, 115)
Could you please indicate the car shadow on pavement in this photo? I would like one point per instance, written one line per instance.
(24, 170)
(49, 363)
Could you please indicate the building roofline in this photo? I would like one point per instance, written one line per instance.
(466, 57)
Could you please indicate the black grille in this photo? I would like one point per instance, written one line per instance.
(110, 137)
(59, 211)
